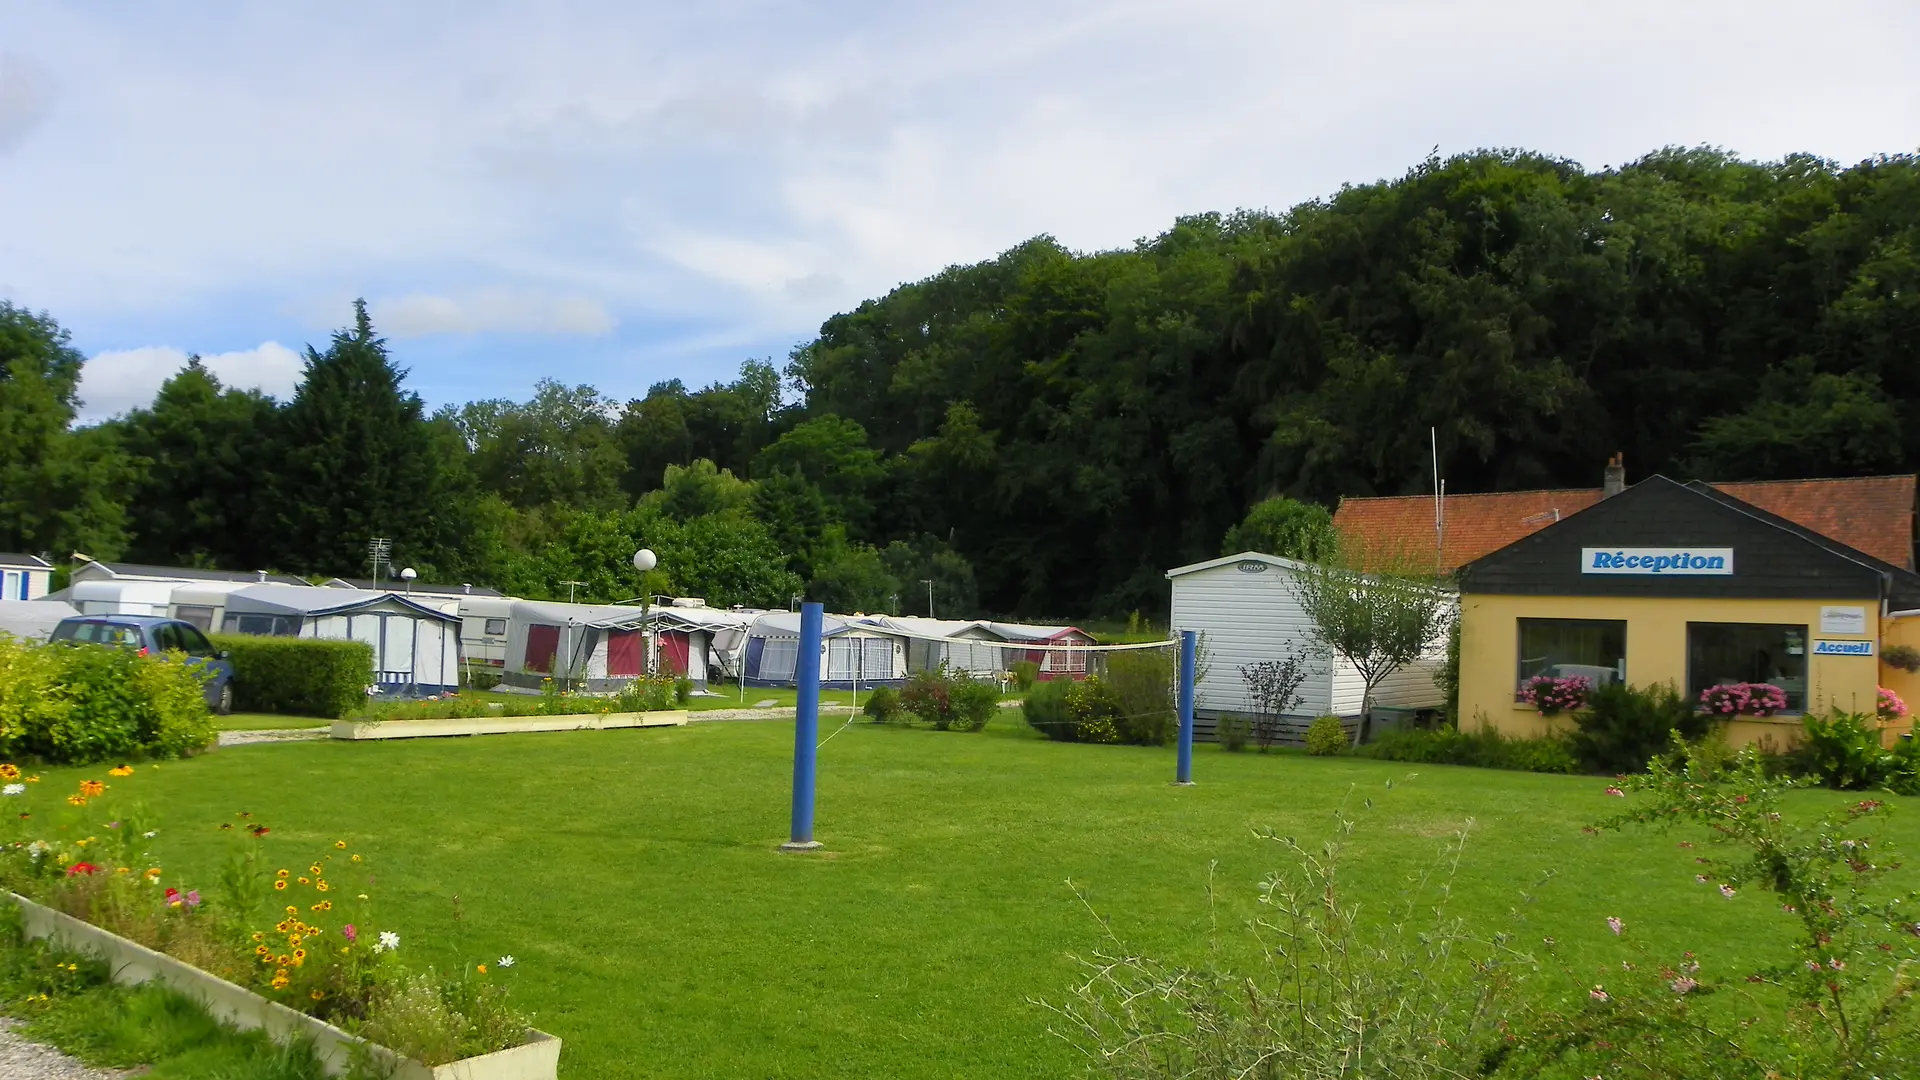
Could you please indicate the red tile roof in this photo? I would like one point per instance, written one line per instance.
(1872, 514)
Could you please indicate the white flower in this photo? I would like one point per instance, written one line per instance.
(388, 941)
(506, 961)
(151, 833)
(14, 789)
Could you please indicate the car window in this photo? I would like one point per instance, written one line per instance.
(166, 638)
(66, 631)
(194, 641)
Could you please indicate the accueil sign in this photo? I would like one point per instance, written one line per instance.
(1664, 562)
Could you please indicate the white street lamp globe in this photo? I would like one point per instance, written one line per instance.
(407, 574)
(645, 560)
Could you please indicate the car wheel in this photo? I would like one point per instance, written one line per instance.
(225, 704)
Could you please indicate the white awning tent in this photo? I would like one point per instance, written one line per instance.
(1053, 663)
(970, 648)
(33, 620)
(590, 647)
(416, 646)
(852, 654)
(703, 643)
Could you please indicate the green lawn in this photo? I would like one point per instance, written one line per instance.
(634, 877)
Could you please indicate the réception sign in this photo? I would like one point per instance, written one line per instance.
(1638, 562)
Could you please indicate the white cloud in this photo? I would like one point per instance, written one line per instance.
(496, 310)
(118, 380)
(26, 97)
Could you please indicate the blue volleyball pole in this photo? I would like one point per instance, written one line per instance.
(806, 729)
(1189, 646)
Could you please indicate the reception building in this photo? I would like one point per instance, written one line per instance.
(1684, 584)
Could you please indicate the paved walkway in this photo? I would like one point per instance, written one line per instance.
(23, 1060)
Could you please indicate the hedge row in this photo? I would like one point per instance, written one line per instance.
(65, 705)
(298, 676)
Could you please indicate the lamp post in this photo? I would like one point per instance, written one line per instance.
(644, 561)
(407, 575)
(928, 582)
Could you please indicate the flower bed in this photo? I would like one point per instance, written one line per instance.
(1553, 695)
(292, 948)
(1743, 699)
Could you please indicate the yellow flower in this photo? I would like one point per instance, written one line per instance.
(284, 926)
(124, 770)
(76, 800)
(323, 886)
(123, 870)
(303, 881)
(299, 957)
(258, 936)
(262, 950)
(9, 772)
(318, 995)
(279, 982)
(31, 779)
(314, 870)
(291, 910)
(280, 873)
(153, 871)
(326, 905)
(340, 843)
(356, 858)
(481, 968)
(281, 884)
(283, 960)
(91, 788)
(363, 896)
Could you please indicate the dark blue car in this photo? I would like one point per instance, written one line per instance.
(152, 634)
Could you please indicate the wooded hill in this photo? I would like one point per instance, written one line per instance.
(1046, 432)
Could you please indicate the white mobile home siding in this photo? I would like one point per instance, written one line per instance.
(1244, 618)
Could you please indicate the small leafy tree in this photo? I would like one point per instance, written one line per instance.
(1379, 619)
(1273, 687)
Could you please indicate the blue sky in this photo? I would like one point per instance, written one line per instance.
(621, 193)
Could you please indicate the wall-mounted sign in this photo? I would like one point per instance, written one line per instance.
(1843, 620)
(1665, 562)
(1826, 647)
(1251, 567)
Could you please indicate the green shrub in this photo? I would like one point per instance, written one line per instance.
(1045, 710)
(883, 705)
(1903, 766)
(1486, 749)
(472, 678)
(1843, 751)
(1094, 710)
(298, 676)
(1232, 732)
(1622, 727)
(1326, 736)
(682, 690)
(77, 705)
(950, 701)
(1025, 673)
(1142, 682)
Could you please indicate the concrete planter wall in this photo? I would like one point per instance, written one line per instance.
(502, 725)
(536, 1059)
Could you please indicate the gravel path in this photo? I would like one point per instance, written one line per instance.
(23, 1060)
(270, 735)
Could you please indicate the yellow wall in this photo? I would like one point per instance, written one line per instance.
(1656, 653)
(1905, 631)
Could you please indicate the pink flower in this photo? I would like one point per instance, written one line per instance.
(1837, 964)
(1813, 965)
(1616, 792)
(193, 898)
(1726, 891)
(1683, 985)
(1598, 994)
(349, 932)
(1700, 879)
(1614, 924)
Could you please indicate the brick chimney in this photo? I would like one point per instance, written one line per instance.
(1615, 480)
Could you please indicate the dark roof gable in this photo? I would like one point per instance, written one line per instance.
(1773, 557)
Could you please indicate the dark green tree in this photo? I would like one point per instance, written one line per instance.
(199, 443)
(61, 491)
(1285, 527)
(356, 458)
